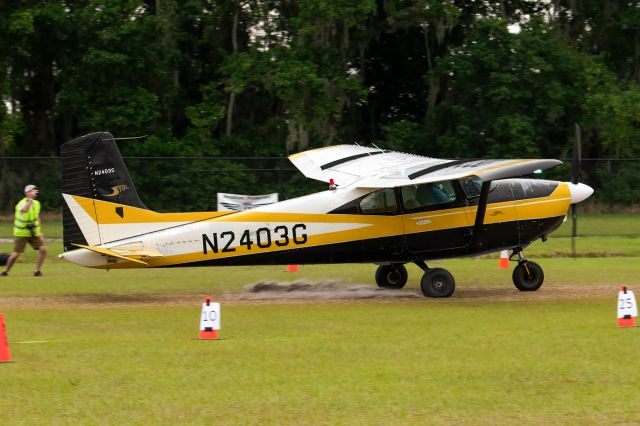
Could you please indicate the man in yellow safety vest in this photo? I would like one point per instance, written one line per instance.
(26, 229)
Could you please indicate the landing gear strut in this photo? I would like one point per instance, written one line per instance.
(436, 282)
(527, 276)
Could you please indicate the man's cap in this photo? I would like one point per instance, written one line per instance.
(29, 188)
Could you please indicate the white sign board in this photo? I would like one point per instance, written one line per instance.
(240, 202)
(627, 304)
(210, 316)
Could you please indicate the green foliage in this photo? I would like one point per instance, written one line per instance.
(446, 79)
(407, 136)
(507, 95)
(206, 115)
(613, 110)
(618, 187)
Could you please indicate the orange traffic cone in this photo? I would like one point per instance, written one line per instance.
(627, 321)
(208, 334)
(292, 268)
(5, 353)
(504, 259)
(210, 320)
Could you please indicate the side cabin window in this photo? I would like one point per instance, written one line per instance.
(430, 196)
(379, 202)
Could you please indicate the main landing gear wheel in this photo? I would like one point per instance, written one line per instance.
(528, 276)
(391, 276)
(437, 282)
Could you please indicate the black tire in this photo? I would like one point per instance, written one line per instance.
(391, 276)
(437, 282)
(530, 280)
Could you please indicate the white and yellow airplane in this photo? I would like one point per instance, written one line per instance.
(383, 207)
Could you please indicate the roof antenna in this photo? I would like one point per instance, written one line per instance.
(376, 147)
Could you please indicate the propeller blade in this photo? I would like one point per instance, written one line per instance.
(574, 229)
(576, 166)
(576, 156)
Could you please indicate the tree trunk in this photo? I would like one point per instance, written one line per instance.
(44, 104)
(232, 96)
(165, 10)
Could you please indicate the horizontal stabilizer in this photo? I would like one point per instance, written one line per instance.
(109, 252)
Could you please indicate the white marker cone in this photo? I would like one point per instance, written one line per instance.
(504, 259)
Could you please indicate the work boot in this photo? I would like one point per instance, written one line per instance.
(37, 274)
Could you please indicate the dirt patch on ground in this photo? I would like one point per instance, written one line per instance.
(302, 291)
(97, 300)
(333, 290)
(325, 290)
(547, 292)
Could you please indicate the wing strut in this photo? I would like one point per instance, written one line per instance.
(482, 208)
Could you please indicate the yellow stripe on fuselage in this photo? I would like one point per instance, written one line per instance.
(105, 213)
(377, 227)
(87, 205)
(554, 205)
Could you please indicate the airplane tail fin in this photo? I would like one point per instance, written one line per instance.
(92, 169)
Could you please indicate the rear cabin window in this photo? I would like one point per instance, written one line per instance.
(429, 196)
(379, 202)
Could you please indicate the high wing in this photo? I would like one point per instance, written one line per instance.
(364, 167)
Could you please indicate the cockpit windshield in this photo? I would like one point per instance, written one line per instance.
(473, 185)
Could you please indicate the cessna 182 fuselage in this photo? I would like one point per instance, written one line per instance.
(383, 207)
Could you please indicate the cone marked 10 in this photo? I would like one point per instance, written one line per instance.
(210, 320)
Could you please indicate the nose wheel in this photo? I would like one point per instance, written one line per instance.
(527, 276)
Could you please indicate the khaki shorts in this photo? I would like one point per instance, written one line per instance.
(21, 242)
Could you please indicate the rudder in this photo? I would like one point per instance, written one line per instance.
(92, 168)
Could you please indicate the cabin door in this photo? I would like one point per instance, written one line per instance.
(435, 219)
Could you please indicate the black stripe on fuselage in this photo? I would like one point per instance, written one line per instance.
(394, 249)
(350, 158)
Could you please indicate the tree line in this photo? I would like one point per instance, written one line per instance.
(454, 79)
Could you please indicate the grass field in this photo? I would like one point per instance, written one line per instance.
(96, 347)
(324, 363)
